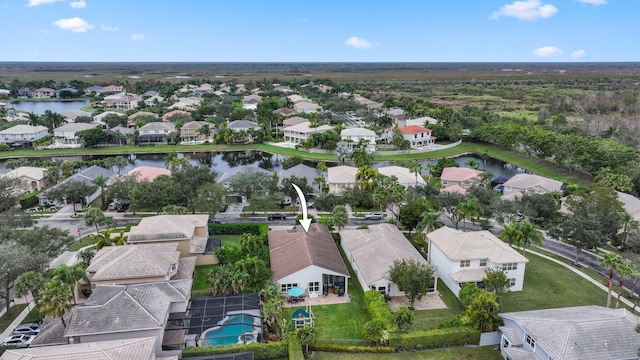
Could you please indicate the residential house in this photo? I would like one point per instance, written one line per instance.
(372, 253)
(139, 263)
(463, 257)
(154, 100)
(67, 135)
(250, 102)
(122, 312)
(122, 101)
(43, 93)
(24, 92)
(242, 125)
(297, 98)
(124, 349)
(190, 231)
(294, 120)
(5, 92)
(418, 136)
(370, 104)
(302, 171)
(324, 88)
(301, 132)
(307, 107)
(339, 178)
(405, 177)
(148, 173)
(121, 135)
(283, 88)
(308, 260)
(284, 112)
(357, 136)
(110, 90)
(191, 131)
(423, 121)
(570, 333)
(236, 171)
(133, 117)
(155, 132)
(529, 184)
(189, 103)
(22, 133)
(461, 177)
(32, 178)
(71, 116)
(177, 113)
(204, 88)
(87, 176)
(102, 117)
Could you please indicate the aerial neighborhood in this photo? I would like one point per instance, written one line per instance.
(309, 218)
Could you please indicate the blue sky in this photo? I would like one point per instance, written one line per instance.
(320, 30)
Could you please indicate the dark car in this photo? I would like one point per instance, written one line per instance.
(277, 216)
(122, 207)
(216, 221)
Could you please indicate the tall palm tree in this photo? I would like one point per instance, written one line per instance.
(361, 157)
(469, 209)
(31, 282)
(101, 182)
(510, 233)
(204, 131)
(624, 269)
(95, 217)
(367, 177)
(530, 233)
(55, 300)
(70, 276)
(611, 262)
(429, 221)
(105, 239)
(416, 168)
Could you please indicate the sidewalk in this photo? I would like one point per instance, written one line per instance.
(18, 320)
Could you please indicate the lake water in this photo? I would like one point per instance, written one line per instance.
(39, 107)
(222, 162)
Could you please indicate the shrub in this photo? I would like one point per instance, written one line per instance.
(30, 200)
(379, 309)
(3, 148)
(238, 229)
(350, 348)
(295, 349)
(453, 321)
(435, 338)
(272, 350)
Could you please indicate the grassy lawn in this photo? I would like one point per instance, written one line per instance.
(85, 241)
(201, 277)
(428, 319)
(229, 240)
(5, 320)
(462, 353)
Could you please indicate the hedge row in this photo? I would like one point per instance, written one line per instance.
(238, 229)
(435, 338)
(272, 350)
(295, 349)
(379, 309)
(30, 200)
(350, 348)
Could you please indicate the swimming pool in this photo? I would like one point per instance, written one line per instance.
(233, 329)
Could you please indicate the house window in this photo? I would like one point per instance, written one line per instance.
(512, 282)
(483, 262)
(172, 268)
(286, 287)
(314, 286)
(444, 182)
(505, 342)
(529, 340)
(465, 263)
(415, 136)
(510, 266)
(382, 290)
(422, 135)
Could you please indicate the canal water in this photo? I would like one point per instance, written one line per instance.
(39, 107)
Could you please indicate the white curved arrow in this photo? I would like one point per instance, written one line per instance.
(303, 202)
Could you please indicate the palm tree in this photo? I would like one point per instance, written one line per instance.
(307, 335)
(70, 276)
(361, 157)
(367, 177)
(105, 239)
(610, 261)
(469, 209)
(429, 221)
(624, 270)
(204, 131)
(530, 233)
(472, 163)
(55, 300)
(101, 182)
(510, 233)
(630, 224)
(416, 168)
(31, 282)
(120, 162)
(96, 217)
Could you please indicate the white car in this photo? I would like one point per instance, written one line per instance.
(21, 340)
(28, 329)
(373, 216)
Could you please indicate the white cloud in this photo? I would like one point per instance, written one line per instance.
(74, 24)
(78, 4)
(33, 3)
(109, 28)
(526, 10)
(594, 2)
(547, 51)
(137, 37)
(578, 54)
(356, 42)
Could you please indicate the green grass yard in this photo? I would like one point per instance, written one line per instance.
(428, 319)
(461, 353)
(201, 279)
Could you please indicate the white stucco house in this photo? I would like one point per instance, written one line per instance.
(301, 132)
(23, 133)
(405, 177)
(355, 135)
(310, 261)
(529, 184)
(67, 135)
(463, 257)
(339, 178)
(418, 136)
(372, 253)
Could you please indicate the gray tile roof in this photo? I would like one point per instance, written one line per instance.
(23, 130)
(134, 261)
(235, 171)
(242, 124)
(300, 171)
(167, 228)
(75, 127)
(463, 245)
(51, 332)
(186, 267)
(87, 176)
(129, 349)
(582, 332)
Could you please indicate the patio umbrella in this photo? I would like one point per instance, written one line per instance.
(295, 291)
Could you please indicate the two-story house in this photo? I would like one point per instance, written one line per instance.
(67, 135)
(356, 136)
(459, 179)
(463, 257)
(155, 132)
(23, 133)
(191, 131)
(301, 132)
(418, 136)
(43, 93)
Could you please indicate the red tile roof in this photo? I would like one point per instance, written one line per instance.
(414, 129)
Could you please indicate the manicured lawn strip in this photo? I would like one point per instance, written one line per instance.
(85, 241)
(229, 240)
(549, 285)
(428, 319)
(201, 280)
(462, 353)
(7, 320)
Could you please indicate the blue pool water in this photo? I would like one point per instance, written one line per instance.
(230, 330)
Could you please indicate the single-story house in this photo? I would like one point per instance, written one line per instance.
(530, 184)
(339, 178)
(139, 263)
(306, 106)
(302, 171)
(463, 257)
(242, 125)
(66, 135)
(370, 104)
(155, 132)
(121, 135)
(297, 98)
(133, 117)
(284, 112)
(461, 176)
(176, 113)
(372, 253)
(355, 135)
(570, 333)
(418, 136)
(148, 173)
(189, 231)
(101, 118)
(87, 176)
(32, 178)
(21, 133)
(234, 172)
(109, 89)
(190, 131)
(188, 103)
(301, 132)
(251, 101)
(71, 116)
(308, 260)
(124, 349)
(422, 121)
(404, 175)
(153, 100)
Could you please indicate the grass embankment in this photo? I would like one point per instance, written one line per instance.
(462, 353)
(85, 241)
(201, 278)
(6, 320)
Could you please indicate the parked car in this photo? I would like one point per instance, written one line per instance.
(29, 329)
(21, 340)
(373, 216)
(216, 221)
(123, 206)
(277, 216)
